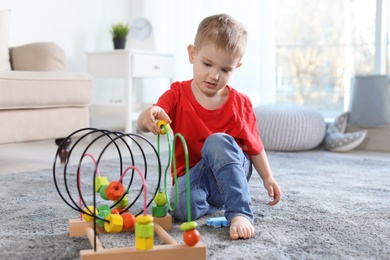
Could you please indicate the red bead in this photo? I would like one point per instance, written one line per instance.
(191, 237)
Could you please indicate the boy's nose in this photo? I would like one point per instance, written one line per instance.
(214, 75)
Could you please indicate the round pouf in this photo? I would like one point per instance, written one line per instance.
(285, 127)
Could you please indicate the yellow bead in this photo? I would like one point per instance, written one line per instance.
(92, 210)
(160, 125)
(114, 223)
(141, 219)
(142, 243)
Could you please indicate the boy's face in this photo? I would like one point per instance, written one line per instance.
(213, 67)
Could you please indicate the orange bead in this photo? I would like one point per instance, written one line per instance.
(128, 220)
(115, 211)
(114, 190)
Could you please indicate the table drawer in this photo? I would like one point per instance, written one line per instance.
(144, 65)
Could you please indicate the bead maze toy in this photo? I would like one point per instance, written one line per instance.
(105, 206)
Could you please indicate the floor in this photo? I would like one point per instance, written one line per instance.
(31, 156)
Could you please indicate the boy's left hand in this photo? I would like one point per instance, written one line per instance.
(273, 191)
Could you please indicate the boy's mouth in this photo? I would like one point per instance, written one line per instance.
(210, 85)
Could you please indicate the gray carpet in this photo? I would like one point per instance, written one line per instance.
(334, 207)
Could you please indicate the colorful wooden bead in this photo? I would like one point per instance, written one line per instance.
(114, 190)
(123, 203)
(160, 199)
(191, 237)
(159, 211)
(102, 192)
(144, 219)
(102, 216)
(115, 211)
(144, 230)
(104, 210)
(188, 225)
(128, 220)
(160, 125)
(103, 207)
(142, 243)
(99, 182)
(91, 210)
(113, 223)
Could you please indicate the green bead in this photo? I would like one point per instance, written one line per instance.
(123, 203)
(102, 214)
(144, 230)
(100, 181)
(159, 211)
(104, 207)
(188, 226)
(103, 192)
(160, 199)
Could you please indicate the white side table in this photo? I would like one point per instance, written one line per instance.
(129, 65)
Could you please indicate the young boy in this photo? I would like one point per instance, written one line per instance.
(219, 126)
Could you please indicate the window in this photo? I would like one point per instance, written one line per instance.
(320, 46)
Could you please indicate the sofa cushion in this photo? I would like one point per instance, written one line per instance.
(4, 35)
(39, 56)
(41, 89)
(38, 124)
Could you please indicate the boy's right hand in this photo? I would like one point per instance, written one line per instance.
(147, 120)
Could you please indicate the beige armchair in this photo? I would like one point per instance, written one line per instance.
(38, 98)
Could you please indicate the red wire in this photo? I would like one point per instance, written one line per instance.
(143, 184)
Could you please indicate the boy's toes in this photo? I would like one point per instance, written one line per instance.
(241, 227)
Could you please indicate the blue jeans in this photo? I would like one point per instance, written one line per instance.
(218, 181)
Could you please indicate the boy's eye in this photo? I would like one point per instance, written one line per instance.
(207, 64)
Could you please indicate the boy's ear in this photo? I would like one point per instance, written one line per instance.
(191, 53)
(239, 65)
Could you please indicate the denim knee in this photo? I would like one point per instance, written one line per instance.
(220, 149)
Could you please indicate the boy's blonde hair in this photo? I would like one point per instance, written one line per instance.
(224, 31)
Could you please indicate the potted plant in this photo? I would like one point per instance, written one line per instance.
(119, 32)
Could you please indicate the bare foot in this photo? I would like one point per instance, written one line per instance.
(241, 227)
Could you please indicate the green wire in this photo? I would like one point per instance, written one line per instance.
(167, 170)
(171, 153)
(187, 171)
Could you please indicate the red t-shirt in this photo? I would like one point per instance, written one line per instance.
(235, 118)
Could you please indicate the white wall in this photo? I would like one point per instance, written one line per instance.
(77, 26)
(82, 26)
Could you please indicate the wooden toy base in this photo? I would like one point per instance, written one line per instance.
(171, 250)
(158, 252)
